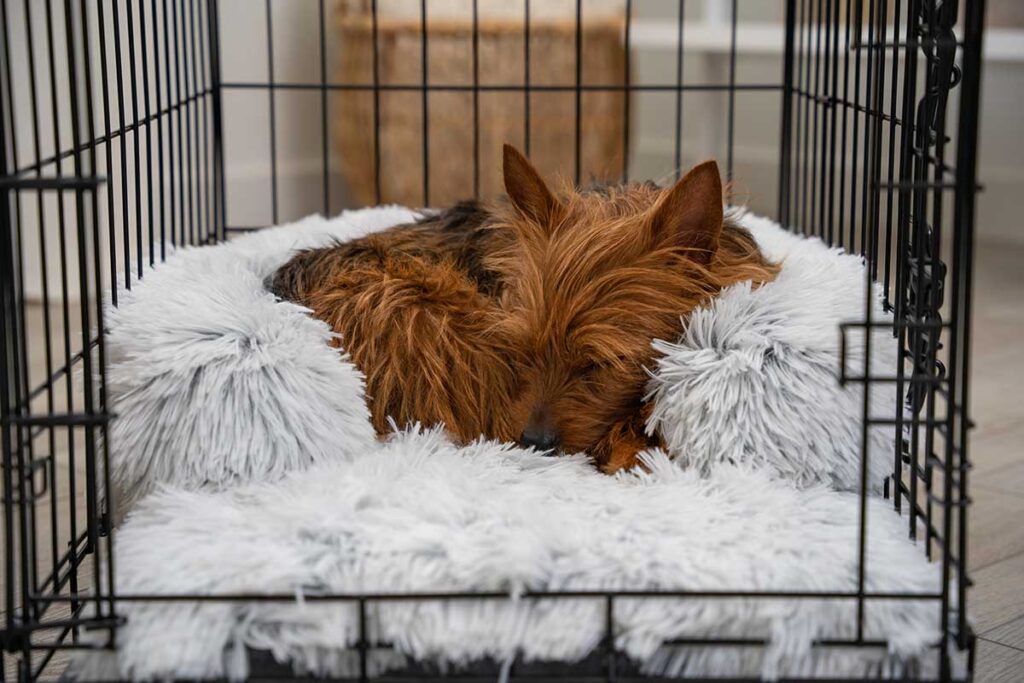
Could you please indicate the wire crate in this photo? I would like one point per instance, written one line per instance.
(117, 121)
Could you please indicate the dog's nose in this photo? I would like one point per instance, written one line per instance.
(539, 438)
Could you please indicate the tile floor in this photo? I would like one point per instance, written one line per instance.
(996, 552)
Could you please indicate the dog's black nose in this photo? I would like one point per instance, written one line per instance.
(541, 439)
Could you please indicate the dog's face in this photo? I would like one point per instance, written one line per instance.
(591, 279)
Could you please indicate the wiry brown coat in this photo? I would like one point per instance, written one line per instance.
(531, 318)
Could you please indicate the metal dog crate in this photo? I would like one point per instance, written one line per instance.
(877, 104)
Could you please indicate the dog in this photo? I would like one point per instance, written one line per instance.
(531, 318)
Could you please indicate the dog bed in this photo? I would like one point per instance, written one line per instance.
(243, 450)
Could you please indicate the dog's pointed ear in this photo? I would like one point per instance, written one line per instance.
(526, 189)
(689, 215)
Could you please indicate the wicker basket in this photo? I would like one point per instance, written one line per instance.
(502, 114)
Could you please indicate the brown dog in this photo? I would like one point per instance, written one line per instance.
(530, 319)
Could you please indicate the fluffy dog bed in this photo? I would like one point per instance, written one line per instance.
(255, 434)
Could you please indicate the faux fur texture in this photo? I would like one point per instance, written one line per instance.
(214, 381)
(754, 376)
(221, 391)
(423, 515)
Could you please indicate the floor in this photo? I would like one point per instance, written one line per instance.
(996, 552)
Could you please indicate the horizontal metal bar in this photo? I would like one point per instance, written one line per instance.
(67, 420)
(53, 183)
(909, 381)
(469, 87)
(918, 185)
(495, 595)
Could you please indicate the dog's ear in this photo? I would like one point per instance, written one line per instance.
(689, 215)
(527, 190)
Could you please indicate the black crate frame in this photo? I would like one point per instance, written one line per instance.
(896, 200)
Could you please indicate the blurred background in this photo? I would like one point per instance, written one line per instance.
(652, 118)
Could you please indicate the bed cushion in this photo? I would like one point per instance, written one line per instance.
(421, 514)
(216, 382)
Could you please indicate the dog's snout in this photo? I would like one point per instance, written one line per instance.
(541, 438)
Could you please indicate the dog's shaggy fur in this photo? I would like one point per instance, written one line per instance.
(532, 318)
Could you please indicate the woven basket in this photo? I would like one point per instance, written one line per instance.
(501, 114)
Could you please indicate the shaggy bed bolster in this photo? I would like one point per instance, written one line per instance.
(243, 446)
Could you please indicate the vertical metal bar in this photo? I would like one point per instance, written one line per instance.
(627, 92)
(210, 232)
(731, 127)
(220, 189)
(272, 96)
(834, 106)
(786, 135)
(147, 112)
(176, 103)
(577, 171)
(324, 143)
(99, 372)
(21, 323)
(963, 265)
(376, 103)
(362, 645)
(611, 665)
(805, 120)
(135, 139)
(105, 84)
(83, 166)
(476, 100)
(14, 334)
(891, 175)
(424, 63)
(827, 108)
(813, 127)
(679, 96)
(44, 277)
(119, 76)
(9, 393)
(69, 393)
(159, 133)
(526, 76)
(856, 134)
(843, 146)
(192, 127)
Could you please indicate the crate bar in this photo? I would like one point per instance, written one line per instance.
(323, 110)
(526, 77)
(159, 135)
(499, 595)
(273, 111)
(578, 89)
(105, 85)
(679, 97)
(202, 85)
(44, 270)
(147, 108)
(786, 135)
(126, 242)
(464, 87)
(376, 103)
(626, 81)
(220, 190)
(182, 97)
(731, 125)
(172, 105)
(136, 151)
(963, 263)
(195, 225)
(425, 104)
(476, 100)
